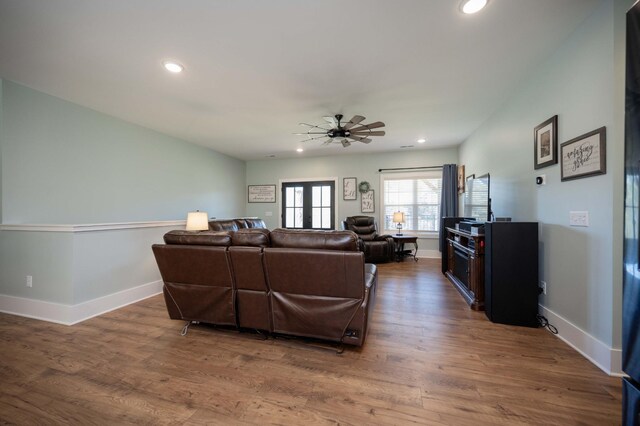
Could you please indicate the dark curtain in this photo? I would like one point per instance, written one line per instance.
(449, 197)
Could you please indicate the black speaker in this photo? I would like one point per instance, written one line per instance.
(511, 273)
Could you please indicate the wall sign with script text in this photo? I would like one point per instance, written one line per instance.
(585, 155)
(262, 193)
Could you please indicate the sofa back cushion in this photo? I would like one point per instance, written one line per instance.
(205, 238)
(314, 293)
(224, 225)
(322, 240)
(251, 237)
(253, 222)
(198, 283)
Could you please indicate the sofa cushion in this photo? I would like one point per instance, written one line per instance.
(224, 225)
(205, 238)
(323, 240)
(255, 223)
(252, 237)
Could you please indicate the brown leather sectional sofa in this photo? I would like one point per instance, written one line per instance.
(236, 224)
(303, 283)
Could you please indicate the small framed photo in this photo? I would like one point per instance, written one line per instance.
(261, 193)
(349, 191)
(585, 155)
(546, 143)
(367, 202)
(461, 179)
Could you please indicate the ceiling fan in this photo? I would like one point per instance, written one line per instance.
(341, 133)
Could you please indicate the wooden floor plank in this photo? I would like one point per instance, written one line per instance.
(428, 360)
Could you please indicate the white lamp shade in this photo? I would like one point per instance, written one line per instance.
(197, 221)
(398, 217)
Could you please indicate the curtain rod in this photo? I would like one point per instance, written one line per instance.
(410, 168)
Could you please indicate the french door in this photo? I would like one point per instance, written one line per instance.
(308, 205)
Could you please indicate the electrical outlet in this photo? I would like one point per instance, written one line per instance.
(543, 287)
(29, 281)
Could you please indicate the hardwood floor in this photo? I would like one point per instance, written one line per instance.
(428, 359)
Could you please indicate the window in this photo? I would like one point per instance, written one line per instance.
(308, 205)
(417, 195)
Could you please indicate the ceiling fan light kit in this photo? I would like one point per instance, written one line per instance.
(345, 134)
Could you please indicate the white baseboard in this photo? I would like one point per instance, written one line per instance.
(604, 357)
(73, 314)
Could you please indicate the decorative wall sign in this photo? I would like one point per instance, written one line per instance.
(262, 193)
(367, 202)
(349, 191)
(460, 179)
(585, 155)
(546, 143)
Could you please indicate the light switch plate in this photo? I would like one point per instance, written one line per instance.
(578, 218)
(268, 214)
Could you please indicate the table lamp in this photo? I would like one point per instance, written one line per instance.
(197, 221)
(398, 217)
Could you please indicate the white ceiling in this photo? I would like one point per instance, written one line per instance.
(257, 68)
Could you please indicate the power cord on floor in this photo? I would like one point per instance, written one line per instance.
(544, 322)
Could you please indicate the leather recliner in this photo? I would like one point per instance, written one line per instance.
(376, 248)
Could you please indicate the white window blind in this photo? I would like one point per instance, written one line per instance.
(417, 195)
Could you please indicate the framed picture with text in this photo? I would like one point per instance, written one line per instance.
(261, 193)
(546, 143)
(367, 202)
(349, 188)
(584, 156)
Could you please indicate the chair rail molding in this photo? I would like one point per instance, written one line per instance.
(90, 227)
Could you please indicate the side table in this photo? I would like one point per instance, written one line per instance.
(400, 241)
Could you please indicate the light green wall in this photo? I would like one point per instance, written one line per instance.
(46, 256)
(580, 265)
(66, 164)
(1, 144)
(362, 166)
(109, 262)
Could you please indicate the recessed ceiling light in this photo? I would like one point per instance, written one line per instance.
(299, 150)
(472, 6)
(173, 67)
(421, 140)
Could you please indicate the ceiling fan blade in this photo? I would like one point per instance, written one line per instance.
(369, 126)
(355, 120)
(360, 139)
(331, 120)
(327, 142)
(314, 138)
(313, 126)
(368, 133)
(310, 133)
(345, 143)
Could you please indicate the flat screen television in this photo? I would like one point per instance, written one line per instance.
(477, 200)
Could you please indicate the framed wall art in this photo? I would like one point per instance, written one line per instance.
(262, 193)
(367, 202)
(461, 179)
(546, 143)
(584, 156)
(349, 188)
